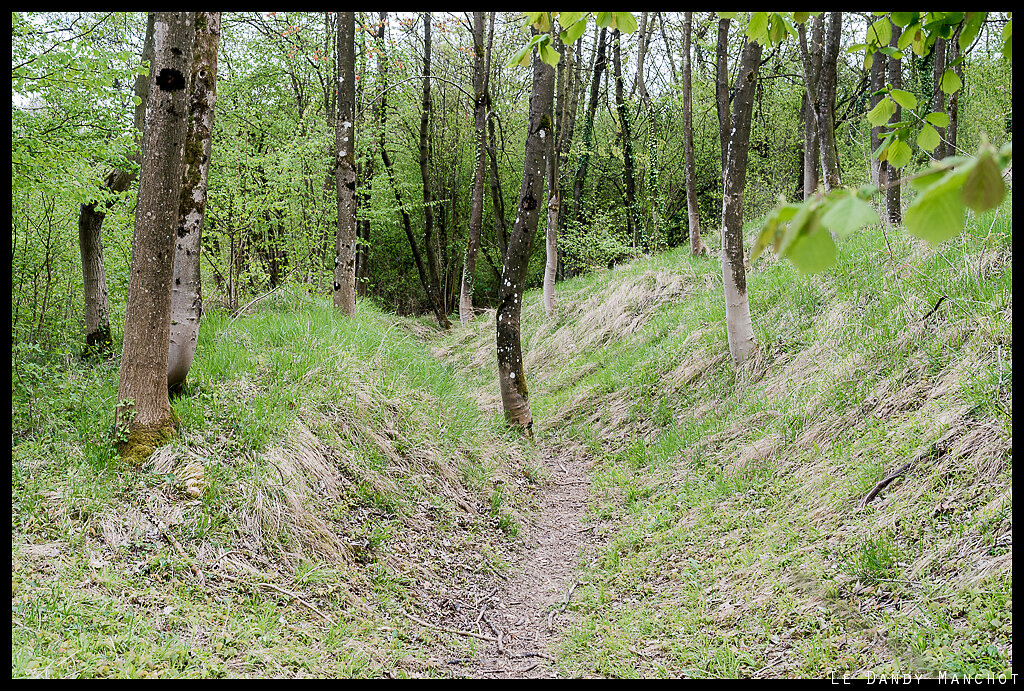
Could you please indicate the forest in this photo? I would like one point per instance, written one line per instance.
(512, 345)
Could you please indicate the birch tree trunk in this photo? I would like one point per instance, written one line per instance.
(186, 288)
(344, 293)
(739, 327)
(512, 382)
(697, 246)
(98, 338)
(143, 415)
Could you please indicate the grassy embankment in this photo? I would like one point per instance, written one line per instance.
(329, 474)
(731, 501)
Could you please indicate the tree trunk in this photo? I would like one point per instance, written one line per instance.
(428, 191)
(893, 207)
(563, 77)
(938, 95)
(954, 98)
(345, 168)
(826, 103)
(643, 38)
(98, 338)
(476, 210)
(722, 88)
(514, 394)
(600, 62)
(143, 415)
(628, 174)
(186, 288)
(739, 327)
(877, 83)
(697, 246)
(811, 61)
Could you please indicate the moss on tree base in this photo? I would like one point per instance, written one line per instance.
(143, 440)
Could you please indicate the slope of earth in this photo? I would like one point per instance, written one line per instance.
(840, 505)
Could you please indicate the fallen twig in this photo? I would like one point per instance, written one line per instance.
(284, 591)
(884, 482)
(457, 632)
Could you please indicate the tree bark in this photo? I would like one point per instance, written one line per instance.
(344, 292)
(512, 382)
(143, 415)
(600, 62)
(811, 61)
(877, 83)
(722, 88)
(476, 210)
(628, 174)
(98, 338)
(697, 246)
(893, 208)
(954, 98)
(186, 288)
(739, 326)
(938, 95)
(563, 88)
(826, 103)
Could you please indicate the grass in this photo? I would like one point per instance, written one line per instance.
(729, 500)
(329, 458)
(332, 473)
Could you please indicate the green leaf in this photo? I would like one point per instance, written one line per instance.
(757, 29)
(813, 252)
(572, 34)
(1008, 41)
(972, 26)
(604, 19)
(521, 58)
(928, 139)
(904, 98)
(899, 154)
(548, 54)
(903, 19)
(880, 114)
(984, 188)
(727, 15)
(950, 83)
(907, 36)
(567, 19)
(937, 213)
(880, 32)
(801, 17)
(938, 118)
(625, 22)
(847, 214)
(771, 231)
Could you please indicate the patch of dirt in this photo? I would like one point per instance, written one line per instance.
(518, 618)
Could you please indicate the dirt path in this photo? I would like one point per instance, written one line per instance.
(525, 614)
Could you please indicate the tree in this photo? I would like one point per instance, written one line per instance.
(739, 326)
(345, 168)
(697, 246)
(90, 223)
(143, 416)
(625, 137)
(811, 58)
(891, 175)
(826, 100)
(476, 213)
(511, 377)
(186, 288)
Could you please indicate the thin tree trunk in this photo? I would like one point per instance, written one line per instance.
(954, 98)
(143, 414)
(826, 103)
(893, 207)
(428, 191)
(697, 246)
(628, 174)
(938, 95)
(186, 288)
(98, 337)
(643, 38)
(739, 326)
(600, 62)
(811, 60)
(722, 88)
(877, 83)
(668, 48)
(512, 382)
(345, 168)
(476, 211)
(563, 75)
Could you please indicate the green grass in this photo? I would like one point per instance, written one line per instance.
(335, 455)
(735, 545)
